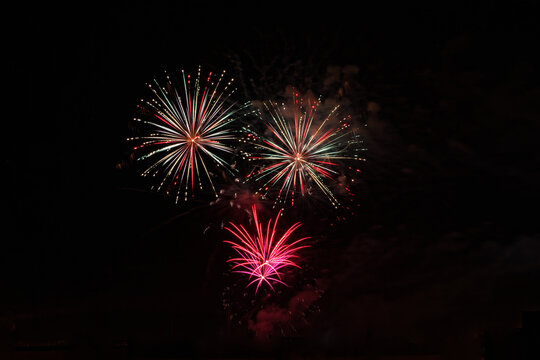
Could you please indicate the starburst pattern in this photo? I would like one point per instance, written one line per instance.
(188, 125)
(299, 154)
(263, 255)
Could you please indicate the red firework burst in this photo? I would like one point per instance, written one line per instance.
(263, 255)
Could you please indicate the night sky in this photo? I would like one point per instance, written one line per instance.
(440, 259)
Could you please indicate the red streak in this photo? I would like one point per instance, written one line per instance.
(165, 121)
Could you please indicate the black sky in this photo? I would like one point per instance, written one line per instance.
(441, 258)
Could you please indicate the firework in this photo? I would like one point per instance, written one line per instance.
(300, 155)
(188, 126)
(263, 255)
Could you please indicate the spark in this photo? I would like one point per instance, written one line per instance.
(263, 255)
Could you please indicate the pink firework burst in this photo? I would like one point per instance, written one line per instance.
(264, 255)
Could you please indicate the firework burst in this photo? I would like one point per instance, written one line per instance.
(188, 124)
(263, 255)
(300, 155)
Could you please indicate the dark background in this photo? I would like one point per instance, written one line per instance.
(439, 261)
